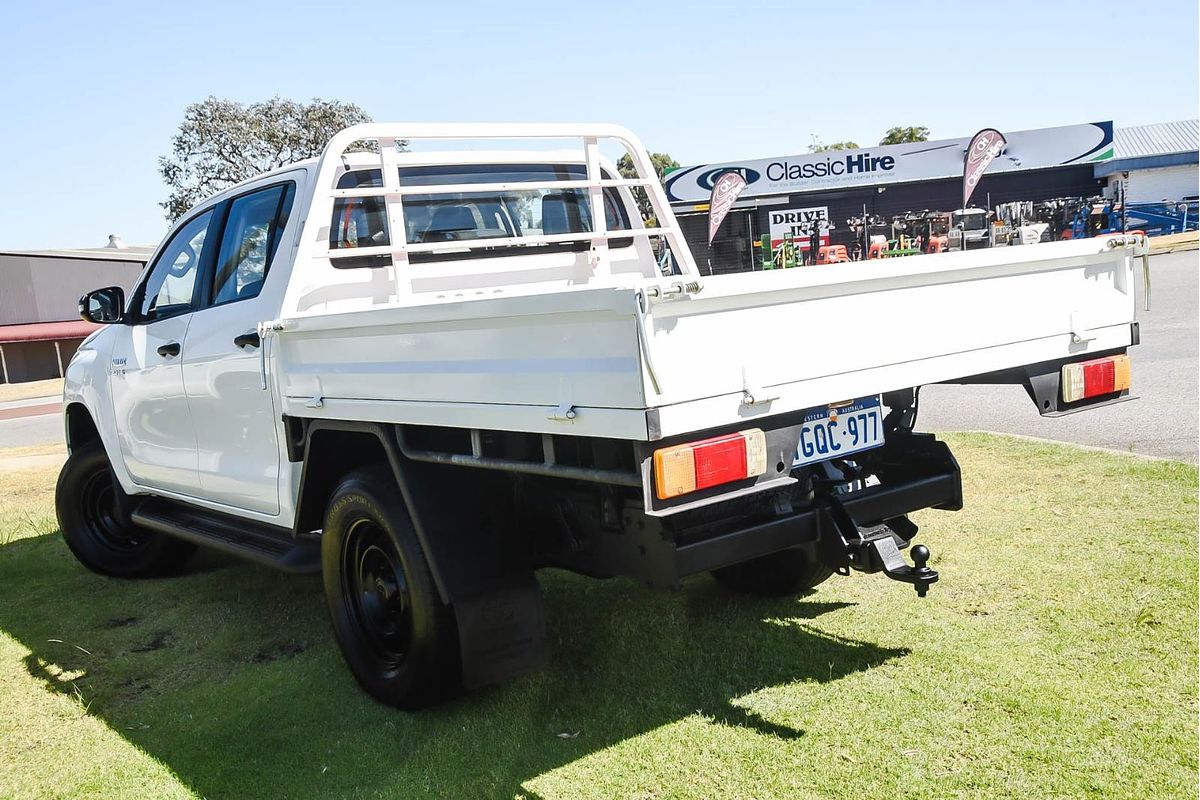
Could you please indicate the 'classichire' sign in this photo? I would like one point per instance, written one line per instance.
(896, 163)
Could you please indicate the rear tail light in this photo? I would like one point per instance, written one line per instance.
(1086, 379)
(694, 466)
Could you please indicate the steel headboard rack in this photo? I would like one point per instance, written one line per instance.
(314, 248)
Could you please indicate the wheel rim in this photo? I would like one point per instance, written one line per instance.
(98, 502)
(375, 589)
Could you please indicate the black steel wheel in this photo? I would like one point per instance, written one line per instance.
(776, 575)
(397, 637)
(86, 502)
(375, 589)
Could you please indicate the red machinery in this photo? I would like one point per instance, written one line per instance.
(832, 254)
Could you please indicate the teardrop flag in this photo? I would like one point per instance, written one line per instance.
(725, 191)
(981, 152)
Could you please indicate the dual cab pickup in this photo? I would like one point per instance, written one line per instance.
(427, 374)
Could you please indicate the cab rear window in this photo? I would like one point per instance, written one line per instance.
(471, 216)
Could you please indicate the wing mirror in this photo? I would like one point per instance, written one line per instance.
(103, 306)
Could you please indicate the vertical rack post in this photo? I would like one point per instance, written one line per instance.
(599, 254)
(394, 205)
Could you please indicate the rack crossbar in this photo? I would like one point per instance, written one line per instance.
(467, 188)
(480, 244)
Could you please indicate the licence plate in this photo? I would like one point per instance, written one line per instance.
(839, 430)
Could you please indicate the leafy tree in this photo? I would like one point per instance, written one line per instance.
(818, 146)
(901, 135)
(222, 142)
(663, 164)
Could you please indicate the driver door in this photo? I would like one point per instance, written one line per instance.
(153, 422)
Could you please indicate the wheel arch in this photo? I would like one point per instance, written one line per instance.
(330, 453)
(83, 426)
(459, 538)
(80, 427)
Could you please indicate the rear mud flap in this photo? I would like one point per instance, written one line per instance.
(501, 632)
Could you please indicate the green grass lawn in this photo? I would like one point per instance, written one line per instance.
(1057, 657)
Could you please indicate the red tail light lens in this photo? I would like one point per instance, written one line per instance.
(711, 462)
(720, 460)
(1093, 378)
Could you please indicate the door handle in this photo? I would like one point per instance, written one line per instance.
(250, 339)
(169, 350)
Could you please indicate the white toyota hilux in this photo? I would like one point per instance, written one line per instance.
(427, 374)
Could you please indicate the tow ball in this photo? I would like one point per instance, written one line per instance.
(883, 554)
(876, 548)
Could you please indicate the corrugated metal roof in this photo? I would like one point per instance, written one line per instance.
(1159, 139)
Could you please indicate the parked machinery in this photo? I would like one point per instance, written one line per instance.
(789, 253)
(1021, 222)
(870, 232)
(1085, 217)
(969, 229)
(932, 229)
(1163, 218)
(1095, 216)
(1024, 222)
(816, 230)
(832, 254)
(1056, 214)
(1064, 217)
(785, 256)
(915, 232)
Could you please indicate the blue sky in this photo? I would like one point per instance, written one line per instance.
(93, 92)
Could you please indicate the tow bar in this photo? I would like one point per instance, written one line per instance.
(875, 548)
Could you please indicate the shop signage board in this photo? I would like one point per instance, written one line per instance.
(897, 163)
(799, 222)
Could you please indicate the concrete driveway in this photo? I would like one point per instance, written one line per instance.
(1161, 422)
(31, 422)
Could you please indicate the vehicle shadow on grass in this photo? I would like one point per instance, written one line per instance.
(228, 675)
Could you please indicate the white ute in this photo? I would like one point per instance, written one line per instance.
(427, 374)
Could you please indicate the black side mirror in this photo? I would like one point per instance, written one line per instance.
(103, 306)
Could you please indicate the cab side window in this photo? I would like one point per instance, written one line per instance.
(171, 286)
(252, 232)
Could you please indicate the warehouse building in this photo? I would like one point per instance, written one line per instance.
(787, 193)
(40, 328)
(1158, 163)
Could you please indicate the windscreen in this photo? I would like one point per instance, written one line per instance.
(971, 222)
(469, 216)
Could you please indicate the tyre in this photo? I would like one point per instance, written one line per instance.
(397, 637)
(85, 501)
(775, 575)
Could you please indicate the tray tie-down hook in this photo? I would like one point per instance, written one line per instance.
(876, 548)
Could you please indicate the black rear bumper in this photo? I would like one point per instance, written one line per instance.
(915, 471)
(816, 529)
